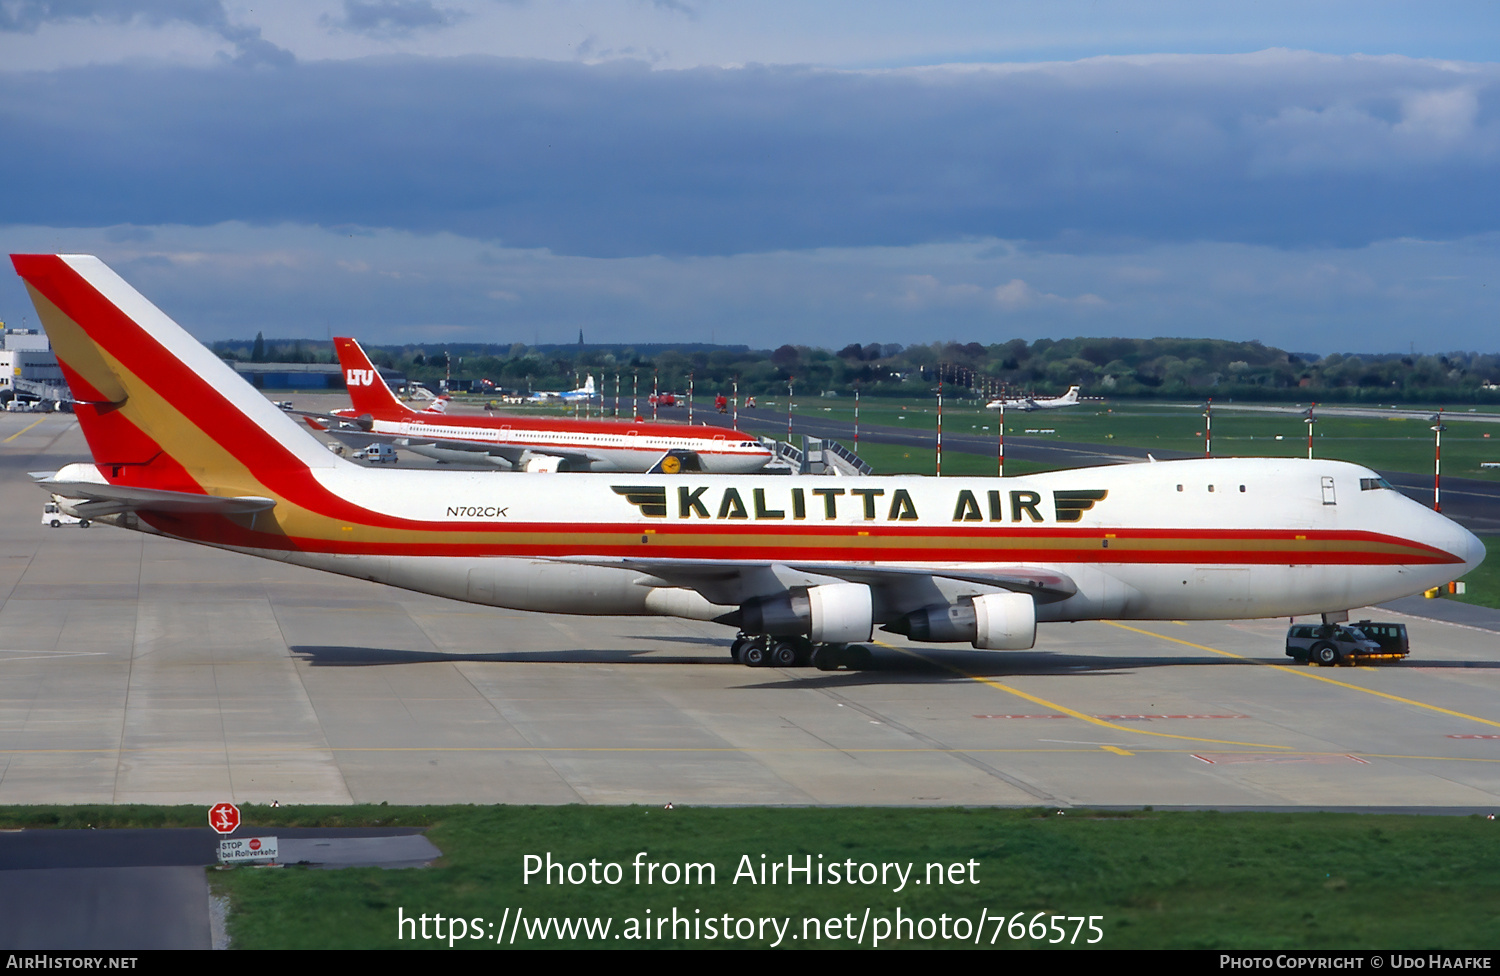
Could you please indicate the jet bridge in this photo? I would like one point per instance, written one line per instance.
(817, 455)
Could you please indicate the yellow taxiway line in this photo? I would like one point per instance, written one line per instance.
(1302, 673)
(1071, 713)
(21, 431)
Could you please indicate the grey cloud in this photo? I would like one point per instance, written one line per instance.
(28, 16)
(1281, 148)
(385, 17)
(230, 280)
(125, 233)
(676, 7)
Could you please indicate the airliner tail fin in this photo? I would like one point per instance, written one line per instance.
(367, 390)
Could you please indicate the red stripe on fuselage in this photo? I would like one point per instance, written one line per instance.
(841, 544)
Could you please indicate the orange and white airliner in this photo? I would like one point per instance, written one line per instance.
(532, 443)
(183, 447)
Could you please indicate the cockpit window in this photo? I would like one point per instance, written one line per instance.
(1370, 484)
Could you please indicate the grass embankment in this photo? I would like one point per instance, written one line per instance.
(1196, 880)
(1391, 444)
(1483, 583)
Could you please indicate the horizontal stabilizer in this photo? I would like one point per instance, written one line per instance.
(104, 499)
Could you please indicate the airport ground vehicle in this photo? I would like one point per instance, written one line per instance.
(376, 454)
(1346, 643)
(53, 515)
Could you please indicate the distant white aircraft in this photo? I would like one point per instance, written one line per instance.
(1068, 399)
(583, 394)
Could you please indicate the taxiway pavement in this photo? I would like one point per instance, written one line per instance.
(140, 670)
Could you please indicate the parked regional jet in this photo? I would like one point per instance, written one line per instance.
(185, 448)
(533, 443)
(1068, 399)
(583, 394)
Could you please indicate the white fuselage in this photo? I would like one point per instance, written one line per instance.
(1196, 539)
(719, 451)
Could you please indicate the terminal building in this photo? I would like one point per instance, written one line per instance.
(29, 371)
(28, 367)
(308, 377)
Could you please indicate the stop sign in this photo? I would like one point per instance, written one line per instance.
(224, 817)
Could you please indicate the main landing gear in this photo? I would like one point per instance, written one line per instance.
(765, 651)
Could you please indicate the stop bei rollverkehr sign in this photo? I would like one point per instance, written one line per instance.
(224, 817)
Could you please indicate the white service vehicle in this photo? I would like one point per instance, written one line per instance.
(376, 454)
(53, 515)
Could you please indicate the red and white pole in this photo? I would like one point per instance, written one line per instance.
(1208, 441)
(1002, 432)
(940, 424)
(856, 418)
(1437, 463)
(789, 380)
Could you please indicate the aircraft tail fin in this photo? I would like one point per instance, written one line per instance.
(1071, 396)
(159, 410)
(588, 385)
(367, 390)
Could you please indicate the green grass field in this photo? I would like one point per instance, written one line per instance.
(1392, 444)
(1484, 581)
(1171, 880)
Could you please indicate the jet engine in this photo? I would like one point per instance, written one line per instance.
(833, 613)
(991, 622)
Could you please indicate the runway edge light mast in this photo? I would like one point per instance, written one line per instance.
(1208, 417)
(1437, 459)
(940, 421)
(1001, 453)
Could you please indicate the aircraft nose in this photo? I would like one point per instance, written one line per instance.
(1472, 550)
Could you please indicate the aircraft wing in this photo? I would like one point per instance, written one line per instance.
(902, 588)
(93, 500)
(355, 436)
(513, 453)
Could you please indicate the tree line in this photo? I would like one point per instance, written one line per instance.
(1165, 368)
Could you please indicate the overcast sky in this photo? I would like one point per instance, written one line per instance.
(1320, 175)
